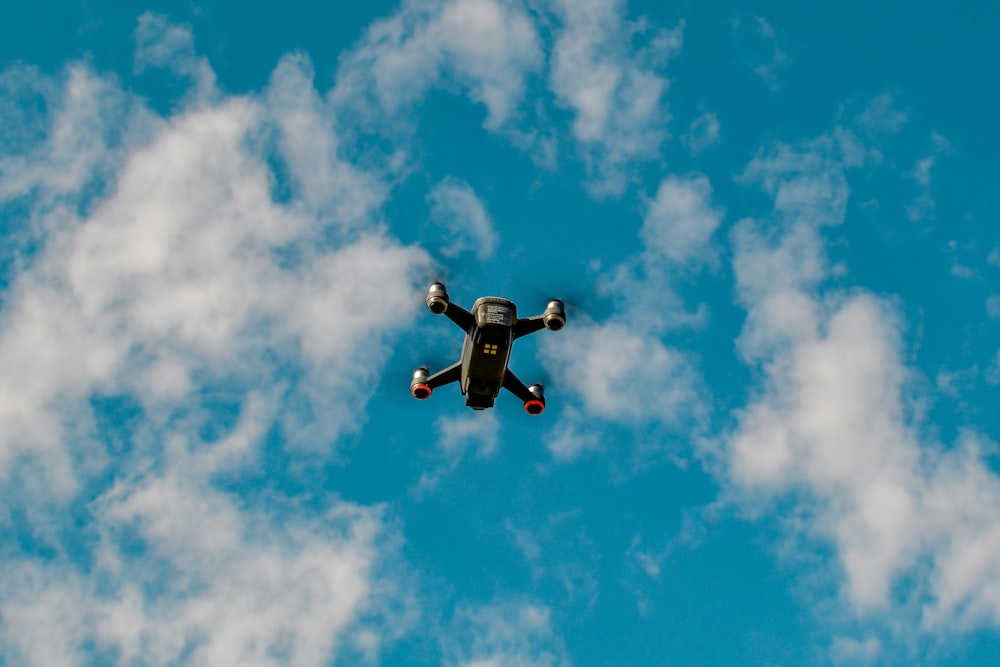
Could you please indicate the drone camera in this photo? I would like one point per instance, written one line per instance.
(437, 298)
(554, 316)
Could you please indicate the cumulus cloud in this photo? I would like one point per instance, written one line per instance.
(181, 573)
(619, 374)
(624, 374)
(833, 427)
(173, 299)
(176, 279)
(488, 46)
(466, 222)
(622, 369)
(681, 219)
(616, 93)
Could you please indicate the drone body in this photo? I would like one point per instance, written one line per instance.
(491, 328)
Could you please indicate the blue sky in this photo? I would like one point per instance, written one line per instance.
(770, 437)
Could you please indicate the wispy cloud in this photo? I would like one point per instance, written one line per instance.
(702, 134)
(993, 306)
(488, 46)
(994, 257)
(507, 632)
(479, 431)
(850, 651)
(923, 206)
(68, 143)
(882, 116)
(161, 44)
(466, 222)
(323, 180)
(766, 55)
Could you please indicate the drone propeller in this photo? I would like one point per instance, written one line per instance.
(577, 301)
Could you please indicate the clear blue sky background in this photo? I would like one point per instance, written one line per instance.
(771, 434)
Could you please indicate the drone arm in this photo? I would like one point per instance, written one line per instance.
(528, 325)
(533, 396)
(514, 385)
(553, 319)
(446, 376)
(460, 316)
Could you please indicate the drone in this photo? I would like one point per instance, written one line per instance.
(491, 328)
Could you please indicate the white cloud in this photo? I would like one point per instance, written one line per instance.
(506, 633)
(850, 651)
(923, 206)
(327, 184)
(182, 283)
(614, 92)
(994, 257)
(833, 425)
(467, 224)
(624, 374)
(653, 560)
(162, 44)
(768, 57)
(702, 134)
(572, 437)
(882, 117)
(493, 49)
(832, 420)
(456, 436)
(558, 551)
(182, 574)
(622, 370)
(681, 220)
(807, 181)
(488, 46)
(176, 279)
(68, 143)
(993, 372)
(993, 306)
(769, 71)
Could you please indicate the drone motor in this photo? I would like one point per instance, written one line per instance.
(536, 405)
(418, 386)
(437, 299)
(554, 316)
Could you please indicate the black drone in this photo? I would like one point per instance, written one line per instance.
(490, 331)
